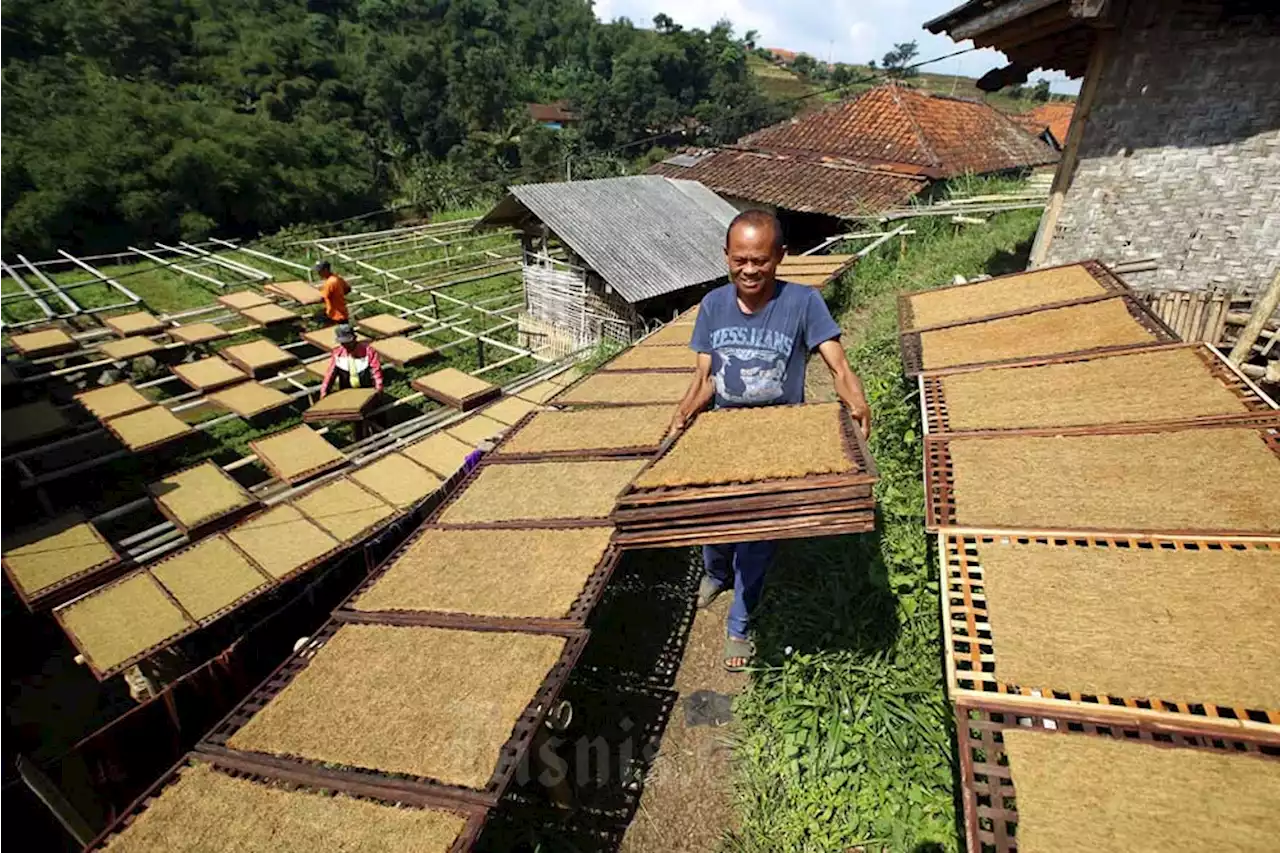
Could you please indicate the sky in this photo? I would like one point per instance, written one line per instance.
(836, 30)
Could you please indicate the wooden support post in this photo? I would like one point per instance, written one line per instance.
(1263, 307)
(480, 350)
(1070, 155)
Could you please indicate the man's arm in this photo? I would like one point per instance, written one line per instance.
(698, 397)
(848, 386)
(375, 366)
(328, 377)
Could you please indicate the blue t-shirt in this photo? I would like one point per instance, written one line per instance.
(759, 359)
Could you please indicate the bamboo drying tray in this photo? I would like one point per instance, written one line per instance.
(249, 399)
(348, 404)
(401, 351)
(510, 410)
(547, 579)
(127, 348)
(209, 373)
(45, 342)
(620, 388)
(1150, 649)
(201, 495)
(344, 509)
(297, 454)
(326, 338)
(31, 421)
(205, 797)
(257, 355)
(386, 325)
(611, 431)
(1211, 480)
(1007, 295)
(701, 490)
(137, 323)
(1032, 783)
(302, 292)
(210, 578)
(47, 563)
(440, 453)
(667, 359)
(419, 709)
(675, 334)
(243, 299)
(537, 494)
(1169, 385)
(1089, 328)
(198, 333)
(113, 400)
(269, 314)
(119, 624)
(456, 389)
(148, 429)
(476, 429)
(540, 392)
(398, 480)
(283, 542)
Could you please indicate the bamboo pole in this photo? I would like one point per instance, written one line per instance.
(1067, 167)
(1263, 308)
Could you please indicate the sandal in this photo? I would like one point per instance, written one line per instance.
(735, 649)
(708, 592)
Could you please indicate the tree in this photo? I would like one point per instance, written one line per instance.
(1040, 92)
(749, 40)
(804, 65)
(895, 62)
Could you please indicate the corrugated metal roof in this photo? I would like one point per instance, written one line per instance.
(645, 235)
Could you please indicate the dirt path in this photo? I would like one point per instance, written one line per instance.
(687, 802)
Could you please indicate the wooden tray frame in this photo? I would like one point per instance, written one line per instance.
(250, 369)
(71, 586)
(987, 785)
(970, 649)
(317, 773)
(612, 374)
(935, 416)
(496, 456)
(211, 523)
(1111, 284)
(939, 479)
(913, 352)
(855, 449)
(802, 527)
(513, 524)
(372, 529)
(110, 427)
(475, 815)
(50, 351)
(575, 617)
(462, 404)
(301, 476)
(104, 674)
(345, 415)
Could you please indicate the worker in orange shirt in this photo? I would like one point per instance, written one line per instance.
(334, 290)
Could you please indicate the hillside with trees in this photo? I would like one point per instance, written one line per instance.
(129, 120)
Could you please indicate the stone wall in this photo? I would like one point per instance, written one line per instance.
(1180, 159)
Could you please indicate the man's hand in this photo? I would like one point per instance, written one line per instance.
(861, 414)
(678, 421)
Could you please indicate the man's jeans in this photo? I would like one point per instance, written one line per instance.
(741, 566)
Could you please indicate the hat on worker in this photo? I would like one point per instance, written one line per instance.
(321, 267)
(344, 334)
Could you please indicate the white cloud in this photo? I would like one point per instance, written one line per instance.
(856, 31)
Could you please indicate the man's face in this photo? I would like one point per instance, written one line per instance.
(349, 346)
(753, 258)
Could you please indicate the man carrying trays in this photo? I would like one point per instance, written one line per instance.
(753, 337)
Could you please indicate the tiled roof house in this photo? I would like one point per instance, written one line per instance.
(1054, 118)
(863, 155)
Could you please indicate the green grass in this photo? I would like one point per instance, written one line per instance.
(845, 731)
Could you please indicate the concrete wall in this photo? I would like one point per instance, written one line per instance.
(1181, 158)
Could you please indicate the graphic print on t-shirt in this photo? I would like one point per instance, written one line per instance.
(753, 364)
